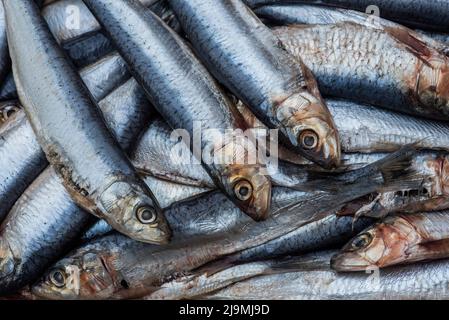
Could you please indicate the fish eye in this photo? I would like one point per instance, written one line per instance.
(243, 190)
(146, 215)
(361, 241)
(309, 139)
(58, 278)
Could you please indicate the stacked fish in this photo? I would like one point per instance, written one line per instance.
(102, 198)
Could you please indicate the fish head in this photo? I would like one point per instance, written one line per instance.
(7, 261)
(131, 208)
(433, 86)
(84, 276)
(310, 129)
(382, 245)
(250, 190)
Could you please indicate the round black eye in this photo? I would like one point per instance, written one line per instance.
(309, 139)
(58, 278)
(146, 215)
(361, 241)
(243, 190)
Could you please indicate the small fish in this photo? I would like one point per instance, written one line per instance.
(117, 267)
(398, 239)
(416, 13)
(313, 279)
(72, 132)
(188, 98)
(251, 62)
(400, 72)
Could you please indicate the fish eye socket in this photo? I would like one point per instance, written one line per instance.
(58, 278)
(146, 215)
(309, 139)
(243, 190)
(361, 241)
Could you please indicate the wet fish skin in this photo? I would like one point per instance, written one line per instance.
(21, 157)
(323, 234)
(381, 130)
(62, 14)
(253, 66)
(8, 90)
(378, 71)
(21, 151)
(398, 239)
(169, 69)
(5, 62)
(417, 13)
(317, 281)
(45, 212)
(89, 50)
(95, 171)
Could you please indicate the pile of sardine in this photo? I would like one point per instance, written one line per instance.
(132, 167)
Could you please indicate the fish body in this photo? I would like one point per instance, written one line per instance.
(249, 60)
(188, 98)
(399, 239)
(72, 131)
(417, 13)
(390, 69)
(45, 221)
(316, 281)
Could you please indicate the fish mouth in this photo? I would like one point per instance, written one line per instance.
(349, 262)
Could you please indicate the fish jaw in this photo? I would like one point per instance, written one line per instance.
(310, 129)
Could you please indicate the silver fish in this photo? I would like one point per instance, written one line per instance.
(95, 170)
(388, 68)
(45, 221)
(317, 281)
(188, 98)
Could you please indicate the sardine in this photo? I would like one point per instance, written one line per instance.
(89, 50)
(287, 14)
(389, 69)
(398, 239)
(188, 98)
(22, 158)
(417, 13)
(250, 61)
(317, 281)
(70, 20)
(78, 144)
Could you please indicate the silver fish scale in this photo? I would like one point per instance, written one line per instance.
(364, 70)
(369, 129)
(418, 281)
